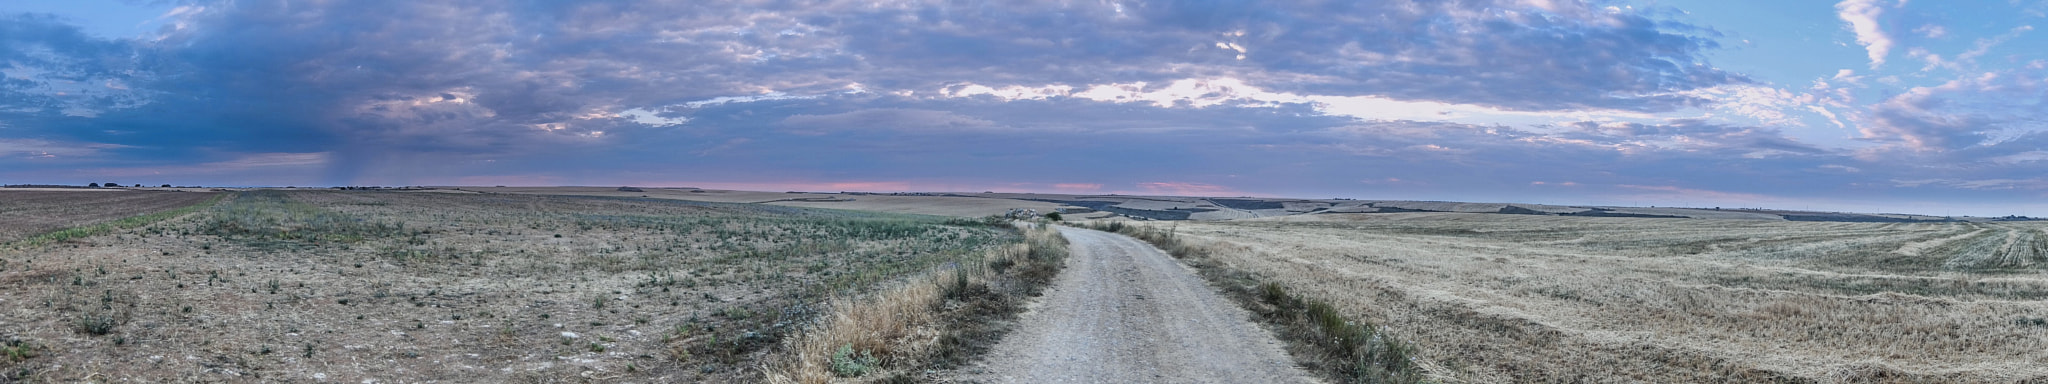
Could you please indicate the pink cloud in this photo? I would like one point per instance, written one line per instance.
(1392, 180)
(1077, 187)
(1188, 189)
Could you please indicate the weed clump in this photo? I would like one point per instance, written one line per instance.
(15, 350)
(846, 364)
(97, 323)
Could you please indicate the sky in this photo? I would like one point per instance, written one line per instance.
(1859, 105)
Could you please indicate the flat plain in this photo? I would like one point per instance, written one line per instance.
(1526, 298)
(363, 286)
(532, 285)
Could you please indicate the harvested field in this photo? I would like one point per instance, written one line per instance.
(1527, 298)
(306, 286)
(25, 213)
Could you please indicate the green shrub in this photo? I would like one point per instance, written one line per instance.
(846, 364)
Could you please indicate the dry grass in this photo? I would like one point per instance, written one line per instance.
(920, 321)
(356, 286)
(1503, 298)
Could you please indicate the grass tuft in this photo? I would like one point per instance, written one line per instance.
(14, 350)
(97, 323)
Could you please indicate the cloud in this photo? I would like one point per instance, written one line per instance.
(263, 165)
(1446, 97)
(1977, 110)
(1839, 167)
(51, 67)
(1862, 16)
(1690, 135)
(1669, 194)
(271, 160)
(45, 150)
(1977, 184)
(361, 78)
(1932, 31)
(1235, 93)
(510, 180)
(1984, 46)
(1766, 106)
(1175, 188)
(819, 185)
(728, 145)
(2021, 158)
(1967, 60)
(1077, 187)
(889, 118)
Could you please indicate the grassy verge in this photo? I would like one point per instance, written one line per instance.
(136, 221)
(936, 320)
(1317, 334)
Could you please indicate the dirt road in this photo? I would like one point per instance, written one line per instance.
(1124, 312)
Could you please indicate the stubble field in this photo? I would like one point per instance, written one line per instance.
(390, 286)
(1521, 298)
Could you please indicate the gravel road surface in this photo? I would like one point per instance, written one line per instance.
(1124, 312)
